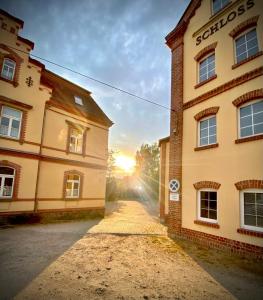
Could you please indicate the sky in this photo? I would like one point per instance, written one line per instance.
(121, 42)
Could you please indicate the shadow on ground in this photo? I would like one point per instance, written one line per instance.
(241, 276)
(25, 251)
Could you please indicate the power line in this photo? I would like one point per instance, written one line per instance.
(95, 80)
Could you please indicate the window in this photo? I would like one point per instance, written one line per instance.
(75, 140)
(78, 100)
(72, 186)
(207, 131)
(7, 176)
(8, 69)
(246, 45)
(218, 5)
(252, 209)
(10, 122)
(207, 68)
(207, 202)
(251, 119)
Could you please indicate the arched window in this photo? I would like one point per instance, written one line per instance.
(251, 119)
(207, 131)
(7, 178)
(8, 69)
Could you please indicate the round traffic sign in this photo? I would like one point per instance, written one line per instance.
(174, 185)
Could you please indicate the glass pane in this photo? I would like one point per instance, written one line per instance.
(245, 111)
(240, 41)
(252, 51)
(204, 195)
(212, 130)
(258, 129)
(3, 130)
(204, 133)
(250, 220)
(8, 184)
(69, 185)
(213, 205)
(6, 171)
(76, 177)
(203, 141)
(11, 112)
(250, 209)
(260, 210)
(70, 177)
(68, 192)
(75, 192)
(246, 131)
(241, 57)
(202, 78)
(252, 43)
(251, 34)
(204, 213)
(5, 121)
(241, 49)
(212, 139)
(211, 73)
(213, 195)
(259, 197)
(14, 132)
(76, 185)
(260, 221)
(203, 124)
(212, 214)
(258, 118)
(246, 121)
(211, 58)
(249, 198)
(15, 124)
(258, 107)
(212, 121)
(204, 203)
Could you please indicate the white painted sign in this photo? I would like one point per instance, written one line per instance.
(174, 197)
(174, 185)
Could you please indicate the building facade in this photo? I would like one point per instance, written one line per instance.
(216, 126)
(53, 136)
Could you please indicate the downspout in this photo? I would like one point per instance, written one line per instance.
(39, 161)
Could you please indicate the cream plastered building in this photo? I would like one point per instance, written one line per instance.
(215, 147)
(53, 136)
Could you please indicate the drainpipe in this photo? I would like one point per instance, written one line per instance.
(39, 161)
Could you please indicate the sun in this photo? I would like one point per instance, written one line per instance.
(124, 162)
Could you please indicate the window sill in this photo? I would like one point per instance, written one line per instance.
(206, 147)
(14, 83)
(249, 139)
(205, 81)
(247, 60)
(204, 223)
(11, 139)
(250, 232)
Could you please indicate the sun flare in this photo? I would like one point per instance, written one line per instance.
(126, 163)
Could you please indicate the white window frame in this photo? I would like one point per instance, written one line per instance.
(4, 176)
(199, 131)
(199, 206)
(222, 7)
(10, 122)
(78, 100)
(13, 69)
(242, 216)
(78, 138)
(72, 187)
(239, 117)
(199, 64)
(237, 37)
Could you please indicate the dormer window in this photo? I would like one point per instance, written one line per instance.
(78, 100)
(218, 5)
(8, 69)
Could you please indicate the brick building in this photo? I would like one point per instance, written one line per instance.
(53, 135)
(215, 147)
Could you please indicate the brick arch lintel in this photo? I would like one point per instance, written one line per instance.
(206, 112)
(6, 163)
(207, 184)
(252, 95)
(205, 51)
(71, 172)
(249, 184)
(249, 23)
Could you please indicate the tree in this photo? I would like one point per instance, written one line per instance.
(111, 185)
(147, 168)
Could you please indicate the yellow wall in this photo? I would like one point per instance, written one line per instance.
(230, 162)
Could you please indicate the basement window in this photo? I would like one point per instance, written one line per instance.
(78, 100)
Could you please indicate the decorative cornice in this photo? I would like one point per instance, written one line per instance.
(225, 87)
(249, 184)
(252, 95)
(207, 185)
(251, 22)
(26, 41)
(16, 103)
(6, 14)
(205, 51)
(206, 112)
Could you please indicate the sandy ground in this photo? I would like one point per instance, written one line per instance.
(128, 256)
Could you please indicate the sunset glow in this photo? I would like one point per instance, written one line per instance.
(124, 162)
